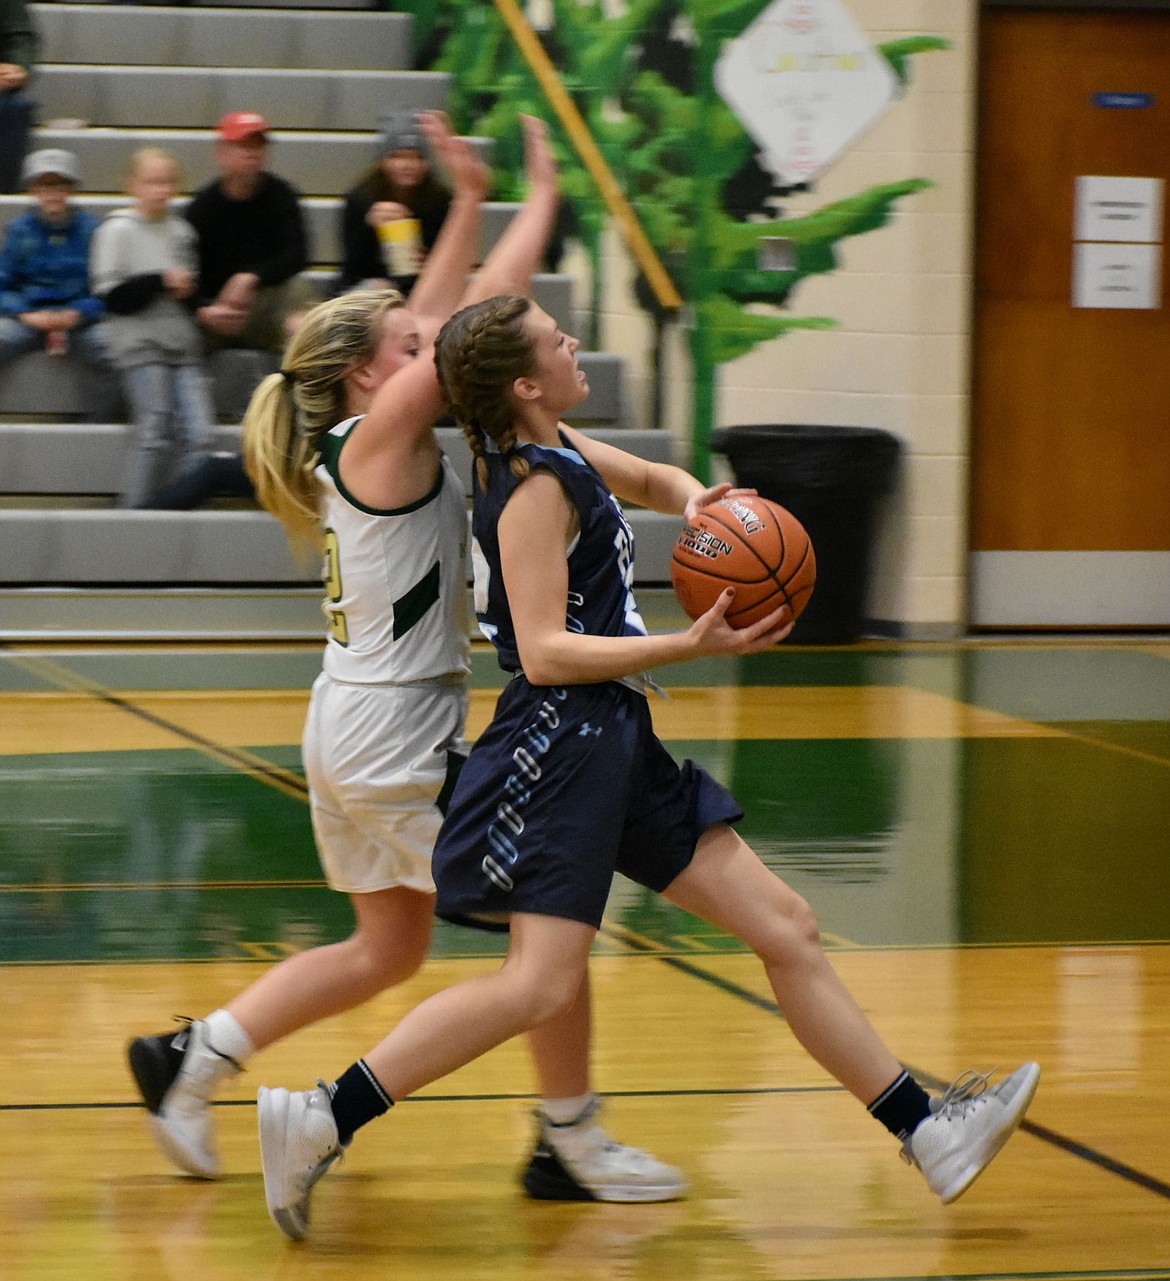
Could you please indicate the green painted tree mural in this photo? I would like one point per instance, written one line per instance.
(644, 82)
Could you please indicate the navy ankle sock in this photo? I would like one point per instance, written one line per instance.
(356, 1097)
(902, 1106)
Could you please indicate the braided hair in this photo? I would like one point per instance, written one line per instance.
(291, 410)
(479, 353)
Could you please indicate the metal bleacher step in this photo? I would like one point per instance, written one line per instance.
(90, 570)
(184, 97)
(37, 384)
(223, 613)
(98, 547)
(74, 459)
(194, 36)
(266, 4)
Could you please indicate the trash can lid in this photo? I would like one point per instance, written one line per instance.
(812, 456)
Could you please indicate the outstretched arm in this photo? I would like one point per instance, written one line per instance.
(515, 257)
(659, 486)
(443, 280)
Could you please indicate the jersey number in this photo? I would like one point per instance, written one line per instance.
(331, 573)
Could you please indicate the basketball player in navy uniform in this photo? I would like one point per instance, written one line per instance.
(343, 439)
(569, 784)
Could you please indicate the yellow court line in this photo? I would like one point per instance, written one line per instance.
(1137, 754)
(224, 724)
(829, 711)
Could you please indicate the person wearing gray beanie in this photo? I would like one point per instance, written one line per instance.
(400, 184)
(399, 131)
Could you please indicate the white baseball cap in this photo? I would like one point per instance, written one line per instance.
(39, 164)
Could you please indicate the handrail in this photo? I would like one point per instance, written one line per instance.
(579, 135)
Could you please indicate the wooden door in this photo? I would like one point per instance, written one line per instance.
(1071, 429)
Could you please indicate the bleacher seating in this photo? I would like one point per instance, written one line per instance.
(182, 36)
(115, 77)
(57, 546)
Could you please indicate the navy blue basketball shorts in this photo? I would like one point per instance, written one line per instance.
(565, 787)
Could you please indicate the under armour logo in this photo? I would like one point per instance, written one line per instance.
(588, 729)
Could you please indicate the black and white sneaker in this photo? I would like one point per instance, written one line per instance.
(581, 1162)
(176, 1074)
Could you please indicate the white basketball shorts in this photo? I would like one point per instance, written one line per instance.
(376, 759)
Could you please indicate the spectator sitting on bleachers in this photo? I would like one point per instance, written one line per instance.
(399, 188)
(252, 244)
(219, 475)
(143, 265)
(19, 45)
(45, 298)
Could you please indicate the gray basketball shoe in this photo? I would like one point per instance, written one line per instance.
(968, 1125)
(298, 1143)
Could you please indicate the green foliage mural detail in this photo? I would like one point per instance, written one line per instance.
(672, 149)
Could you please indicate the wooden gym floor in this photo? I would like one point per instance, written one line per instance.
(984, 830)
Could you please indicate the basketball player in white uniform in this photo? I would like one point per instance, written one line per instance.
(342, 438)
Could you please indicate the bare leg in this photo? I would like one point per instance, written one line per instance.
(389, 944)
(727, 885)
(539, 980)
(560, 1049)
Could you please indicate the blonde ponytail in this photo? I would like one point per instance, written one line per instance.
(280, 460)
(291, 410)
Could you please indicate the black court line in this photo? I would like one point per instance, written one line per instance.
(505, 1097)
(64, 678)
(1081, 1150)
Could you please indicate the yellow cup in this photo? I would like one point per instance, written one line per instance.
(401, 242)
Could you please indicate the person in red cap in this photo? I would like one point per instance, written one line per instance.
(252, 243)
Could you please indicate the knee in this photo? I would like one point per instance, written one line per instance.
(793, 934)
(377, 966)
(545, 995)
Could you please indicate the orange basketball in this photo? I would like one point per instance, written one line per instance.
(751, 544)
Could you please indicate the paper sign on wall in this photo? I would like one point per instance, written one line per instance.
(805, 81)
(1117, 260)
(1127, 210)
(1127, 277)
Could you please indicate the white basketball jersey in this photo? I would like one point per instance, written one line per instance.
(395, 581)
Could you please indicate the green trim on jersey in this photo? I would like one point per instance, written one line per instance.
(408, 609)
(330, 457)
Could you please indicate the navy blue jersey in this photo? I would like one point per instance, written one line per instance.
(601, 557)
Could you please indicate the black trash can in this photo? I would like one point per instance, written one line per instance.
(830, 479)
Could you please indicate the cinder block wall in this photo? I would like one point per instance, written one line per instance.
(902, 299)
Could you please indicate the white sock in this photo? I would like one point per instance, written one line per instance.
(227, 1036)
(566, 1111)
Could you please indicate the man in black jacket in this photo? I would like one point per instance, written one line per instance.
(19, 46)
(252, 244)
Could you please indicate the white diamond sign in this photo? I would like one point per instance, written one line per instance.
(805, 82)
